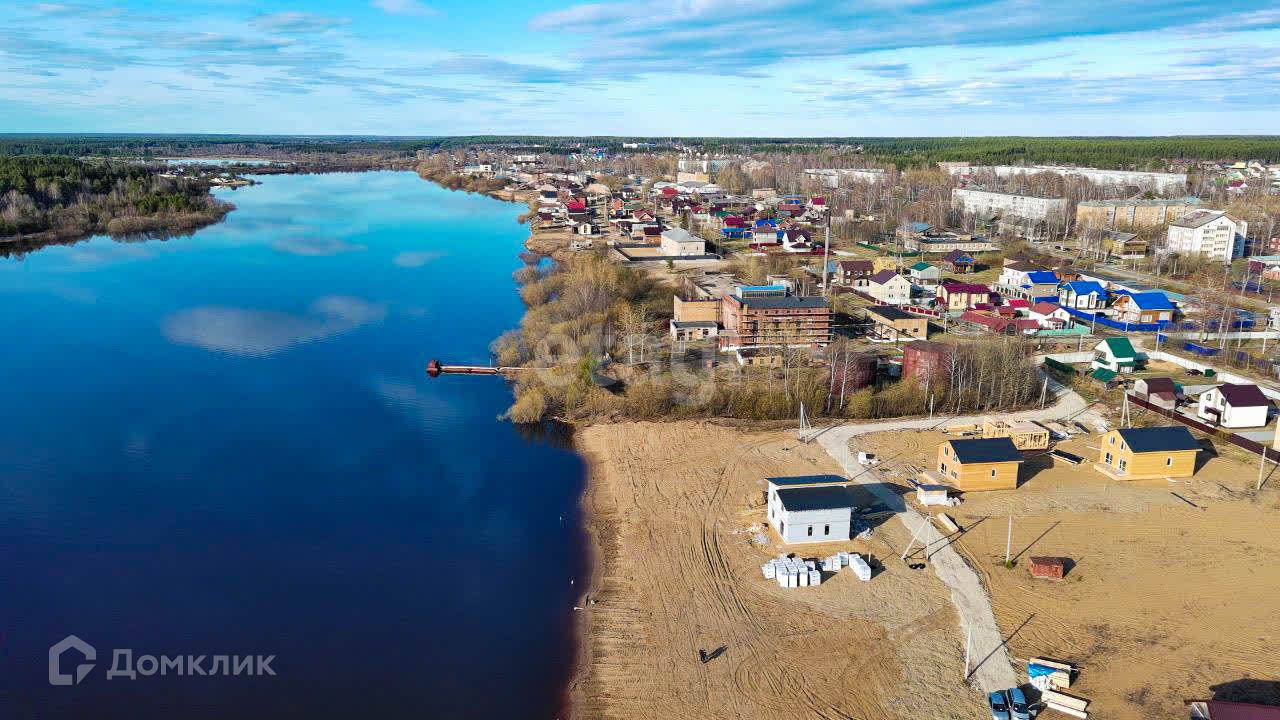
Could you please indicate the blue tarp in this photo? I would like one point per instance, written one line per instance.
(1034, 670)
(1104, 321)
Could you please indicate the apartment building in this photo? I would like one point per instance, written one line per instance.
(1211, 234)
(836, 177)
(1110, 214)
(979, 202)
(1159, 182)
(774, 320)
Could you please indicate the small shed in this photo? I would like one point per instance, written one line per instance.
(1052, 568)
(1161, 392)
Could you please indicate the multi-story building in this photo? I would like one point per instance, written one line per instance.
(774, 321)
(1211, 234)
(835, 177)
(1159, 182)
(1110, 214)
(977, 202)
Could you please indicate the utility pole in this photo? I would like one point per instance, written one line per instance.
(967, 640)
(1008, 542)
(826, 248)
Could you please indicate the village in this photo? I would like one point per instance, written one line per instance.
(1138, 462)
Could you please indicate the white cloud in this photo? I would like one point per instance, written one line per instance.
(258, 333)
(405, 7)
(290, 23)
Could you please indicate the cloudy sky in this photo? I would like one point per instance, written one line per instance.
(644, 67)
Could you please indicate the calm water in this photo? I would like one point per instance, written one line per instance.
(226, 445)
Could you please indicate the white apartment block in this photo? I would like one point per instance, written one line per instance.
(1212, 234)
(1027, 207)
(1159, 182)
(835, 177)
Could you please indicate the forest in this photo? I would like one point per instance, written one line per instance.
(61, 197)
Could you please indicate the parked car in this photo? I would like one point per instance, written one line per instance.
(1193, 371)
(999, 705)
(1018, 705)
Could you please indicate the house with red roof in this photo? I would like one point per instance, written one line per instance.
(962, 296)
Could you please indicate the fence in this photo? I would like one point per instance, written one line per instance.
(1219, 375)
(1060, 366)
(1254, 447)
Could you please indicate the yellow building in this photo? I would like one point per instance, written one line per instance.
(1132, 213)
(1148, 453)
(979, 464)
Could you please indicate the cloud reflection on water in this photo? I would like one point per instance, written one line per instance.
(256, 333)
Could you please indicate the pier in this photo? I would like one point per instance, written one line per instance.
(436, 369)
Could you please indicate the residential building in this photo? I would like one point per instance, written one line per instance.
(979, 464)
(810, 509)
(1234, 406)
(753, 321)
(923, 238)
(838, 177)
(1147, 453)
(958, 262)
(923, 273)
(890, 323)
(1112, 214)
(1158, 182)
(889, 287)
(1211, 234)
(1123, 245)
(679, 242)
(699, 310)
(1116, 355)
(1142, 308)
(954, 297)
(1082, 295)
(854, 273)
(973, 201)
(1049, 315)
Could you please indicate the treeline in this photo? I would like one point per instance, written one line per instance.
(62, 197)
(587, 308)
(442, 176)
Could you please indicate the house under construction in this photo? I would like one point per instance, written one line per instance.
(1025, 434)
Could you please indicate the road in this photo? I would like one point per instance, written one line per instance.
(994, 668)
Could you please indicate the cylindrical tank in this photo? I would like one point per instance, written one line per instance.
(861, 371)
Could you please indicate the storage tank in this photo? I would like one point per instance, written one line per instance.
(861, 370)
(923, 359)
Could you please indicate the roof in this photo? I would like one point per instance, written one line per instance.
(955, 255)
(790, 480)
(918, 226)
(965, 288)
(1103, 375)
(1086, 287)
(921, 266)
(1225, 710)
(1159, 439)
(1151, 301)
(1243, 395)
(1196, 218)
(1161, 385)
(985, 450)
(1120, 348)
(883, 277)
(888, 312)
(1045, 308)
(679, 235)
(1042, 277)
(782, 303)
(857, 265)
(694, 324)
(831, 497)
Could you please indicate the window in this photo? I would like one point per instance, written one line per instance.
(943, 468)
(1107, 459)
(993, 472)
(1168, 461)
(1112, 440)
(810, 531)
(782, 527)
(826, 529)
(1122, 464)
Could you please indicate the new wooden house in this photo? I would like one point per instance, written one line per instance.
(979, 464)
(1148, 453)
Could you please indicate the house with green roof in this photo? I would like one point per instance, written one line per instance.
(922, 273)
(1116, 355)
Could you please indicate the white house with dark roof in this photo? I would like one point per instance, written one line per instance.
(1234, 406)
(810, 508)
(890, 287)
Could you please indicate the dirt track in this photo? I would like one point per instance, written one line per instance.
(673, 507)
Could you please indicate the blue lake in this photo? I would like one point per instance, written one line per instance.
(226, 444)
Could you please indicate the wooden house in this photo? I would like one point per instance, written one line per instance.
(958, 262)
(1145, 307)
(890, 323)
(1232, 405)
(1025, 434)
(1148, 453)
(979, 464)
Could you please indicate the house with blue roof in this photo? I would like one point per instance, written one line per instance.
(1143, 308)
(1082, 295)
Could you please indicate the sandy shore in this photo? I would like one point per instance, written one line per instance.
(673, 509)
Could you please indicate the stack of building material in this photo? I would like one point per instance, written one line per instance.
(1065, 703)
(860, 567)
(1049, 674)
(789, 572)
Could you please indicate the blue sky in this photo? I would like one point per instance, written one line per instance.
(643, 67)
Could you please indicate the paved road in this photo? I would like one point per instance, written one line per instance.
(994, 669)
